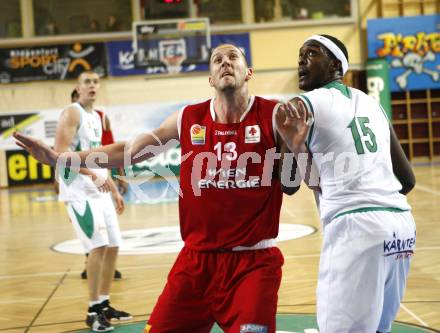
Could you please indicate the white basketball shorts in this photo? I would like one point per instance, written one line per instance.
(363, 270)
(95, 222)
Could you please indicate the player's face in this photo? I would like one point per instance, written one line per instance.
(228, 68)
(88, 85)
(313, 66)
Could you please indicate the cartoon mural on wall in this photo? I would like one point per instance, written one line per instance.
(411, 46)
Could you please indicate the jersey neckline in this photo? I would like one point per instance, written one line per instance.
(250, 104)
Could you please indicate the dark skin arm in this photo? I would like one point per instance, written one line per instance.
(293, 126)
(289, 190)
(401, 166)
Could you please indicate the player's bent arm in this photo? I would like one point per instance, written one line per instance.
(110, 156)
(66, 128)
(141, 148)
(65, 132)
(401, 167)
(285, 177)
(293, 126)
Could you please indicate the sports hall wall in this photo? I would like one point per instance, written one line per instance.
(273, 49)
(274, 53)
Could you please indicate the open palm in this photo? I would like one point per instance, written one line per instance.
(36, 148)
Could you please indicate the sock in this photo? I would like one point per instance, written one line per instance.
(103, 298)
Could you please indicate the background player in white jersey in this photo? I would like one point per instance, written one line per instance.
(122, 185)
(369, 232)
(89, 204)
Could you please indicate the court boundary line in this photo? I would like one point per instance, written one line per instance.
(403, 323)
(154, 266)
(47, 301)
(425, 188)
(148, 314)
(413, 315)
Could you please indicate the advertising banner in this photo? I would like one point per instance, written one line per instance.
(121, 56)
(24, 169)
(411, 45)
(40, 124)
(56, 62)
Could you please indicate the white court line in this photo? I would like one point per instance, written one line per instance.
(21, 276)
(35, 300)
(125, 268)
(412, 314)
(427, 189)
(289, 212)
(302, 256)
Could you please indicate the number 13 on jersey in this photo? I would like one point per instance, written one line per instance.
(229, 149)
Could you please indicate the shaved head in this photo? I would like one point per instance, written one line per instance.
(226, 46)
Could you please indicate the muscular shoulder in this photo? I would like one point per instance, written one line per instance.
(266, 105)
(70, 116)
(198, 107)
(317, 95)
(194, 111)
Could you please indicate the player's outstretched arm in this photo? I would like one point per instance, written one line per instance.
(401, 167)
(115, 155)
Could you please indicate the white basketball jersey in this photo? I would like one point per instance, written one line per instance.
(76, 186)
(350, 143)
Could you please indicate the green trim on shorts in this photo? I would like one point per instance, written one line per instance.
(371, 209)
(85, 221)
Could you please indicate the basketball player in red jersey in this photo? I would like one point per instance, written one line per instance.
(229, 270)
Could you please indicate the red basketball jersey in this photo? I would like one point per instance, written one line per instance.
(231, 195)
(107, 134)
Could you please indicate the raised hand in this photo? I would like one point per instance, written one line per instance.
(36, 148)
(293, 124)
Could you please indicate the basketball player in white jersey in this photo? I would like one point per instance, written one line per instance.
(89, 203)
(369, 232)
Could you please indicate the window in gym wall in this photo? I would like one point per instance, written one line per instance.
(10, 19)
(219, 11)
(53, 17)
(288, 10)
(165, 9)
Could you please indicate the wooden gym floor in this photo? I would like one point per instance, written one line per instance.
(41, 290)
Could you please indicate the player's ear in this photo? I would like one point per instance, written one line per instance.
(211, 83)
(249, 74)
(336, 65)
